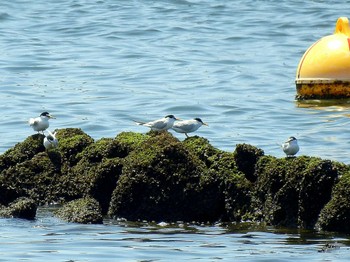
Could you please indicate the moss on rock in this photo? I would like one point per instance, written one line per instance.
(163, 180)
(292, 191)
(34, 178)
(246, 156)
(84, 210)
(71, 142)
(131, 140)
(22, 151)
(154, 176)
(97, 172)
(335, 215)
(21, 208)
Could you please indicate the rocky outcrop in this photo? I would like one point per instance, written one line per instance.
(20, 208)
(156, 177)
(335, 215)
(83, 210)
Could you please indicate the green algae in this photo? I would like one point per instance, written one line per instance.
(336, 213)
(156, 177)
(84, 210)
(20, 208)
(71, 142)
(165, 179)
(292, 191)
(131, 140)
(34, 178)
(246, 157)
(22, 151)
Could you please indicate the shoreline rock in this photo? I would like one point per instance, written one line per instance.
(156, 177)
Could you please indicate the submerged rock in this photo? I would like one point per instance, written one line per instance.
(20, 208)
(84, 210)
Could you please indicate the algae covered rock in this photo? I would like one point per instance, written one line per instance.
(230, 184)
(131, 141)
(83, 210)
(335, 216)
(71, 142)
(22, 151)
(34, 178)
(98, 170)
(163, 180)
(201, 147)
(292, 191)
(246, 156)
(154, 176)
(21, 208)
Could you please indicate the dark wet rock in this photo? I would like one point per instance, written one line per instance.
(84, 210)
(7, 194)
(98, 170)
(34, 178)
(163, 180)
(154, 176)
(71, 142)
(292, 191)
(328, 247)
(42, 175)
(335, 215)
(246, 156)
(20, 208)
(22, 151)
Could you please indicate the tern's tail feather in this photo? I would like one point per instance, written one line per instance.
(139, 122)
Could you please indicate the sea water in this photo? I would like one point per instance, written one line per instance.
(98, 65)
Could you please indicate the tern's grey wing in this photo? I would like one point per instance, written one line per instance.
(157, 124)
(184, 127)
(33, 122)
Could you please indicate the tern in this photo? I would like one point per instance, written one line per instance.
(164, 123)
(50, 141)
(188, 126)
(290, 147)
(41, 122)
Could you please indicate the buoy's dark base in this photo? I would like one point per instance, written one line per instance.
(322, 89)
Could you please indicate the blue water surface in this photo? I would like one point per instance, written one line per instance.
(97, 65)
(49, 239)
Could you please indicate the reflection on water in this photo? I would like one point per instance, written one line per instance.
(325, 104)
(147, 241)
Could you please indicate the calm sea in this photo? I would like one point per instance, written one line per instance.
(99, 64)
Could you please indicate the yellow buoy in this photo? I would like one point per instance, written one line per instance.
(324, 70)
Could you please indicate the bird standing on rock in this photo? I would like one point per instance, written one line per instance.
(41, 122)
(290, 147)
(188, 126)
(50, 141)
(162, 124)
